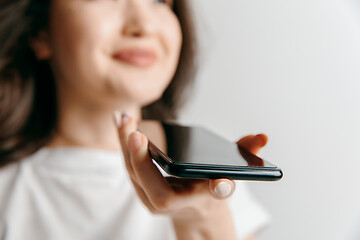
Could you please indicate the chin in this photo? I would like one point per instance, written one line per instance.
(147, 99)
(138, 88)
(145, 94)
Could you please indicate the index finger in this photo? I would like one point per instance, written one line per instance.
(125, 125)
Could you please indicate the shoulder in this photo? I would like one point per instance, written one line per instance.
(9, 175)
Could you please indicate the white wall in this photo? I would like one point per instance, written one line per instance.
(290, 69)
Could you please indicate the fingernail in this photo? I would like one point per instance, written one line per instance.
(223, 189)
(135, 142)
(117, 118)
(125, 117)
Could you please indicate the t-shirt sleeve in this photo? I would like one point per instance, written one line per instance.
(8, 176)
(248, 215)
(7, 180)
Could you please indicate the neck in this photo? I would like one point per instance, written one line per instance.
(91, 127)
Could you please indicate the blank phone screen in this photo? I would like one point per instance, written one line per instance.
(197, 145)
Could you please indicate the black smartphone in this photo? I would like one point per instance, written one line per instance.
(196, 152)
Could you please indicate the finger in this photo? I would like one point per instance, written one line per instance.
(253, 143)
(153, 183)
(221, 188)
(125, 125)
(144, 198)
(122, 132)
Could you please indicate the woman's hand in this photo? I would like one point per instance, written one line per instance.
(253, 143)
(192, 204)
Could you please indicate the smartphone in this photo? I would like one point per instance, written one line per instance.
(196, 152)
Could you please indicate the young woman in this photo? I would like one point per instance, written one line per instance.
(65, 66)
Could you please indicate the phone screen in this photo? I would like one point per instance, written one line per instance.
(197, 145)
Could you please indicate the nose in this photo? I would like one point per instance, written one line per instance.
(138, 19)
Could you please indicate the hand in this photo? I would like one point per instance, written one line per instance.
(194, 199)
(253, 143)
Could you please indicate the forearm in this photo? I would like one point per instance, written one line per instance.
(217, 225)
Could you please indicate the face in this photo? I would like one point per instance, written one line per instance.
(103, 50)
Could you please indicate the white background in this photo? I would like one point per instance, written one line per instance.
(290, 69)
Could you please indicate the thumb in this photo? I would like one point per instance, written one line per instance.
(221, 188)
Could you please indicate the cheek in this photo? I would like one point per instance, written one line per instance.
(171, 39)
(78, 33)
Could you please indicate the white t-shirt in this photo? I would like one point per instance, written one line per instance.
(79, 193)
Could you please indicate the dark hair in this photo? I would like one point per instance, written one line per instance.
(27, 86)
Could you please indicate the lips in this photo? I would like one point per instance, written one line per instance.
(136, 56)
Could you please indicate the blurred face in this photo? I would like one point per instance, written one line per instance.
(102, 50)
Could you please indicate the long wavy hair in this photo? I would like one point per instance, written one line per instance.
(27, 86)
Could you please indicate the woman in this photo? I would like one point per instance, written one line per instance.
(65, 66)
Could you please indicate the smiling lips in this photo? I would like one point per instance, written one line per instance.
(136, 56)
